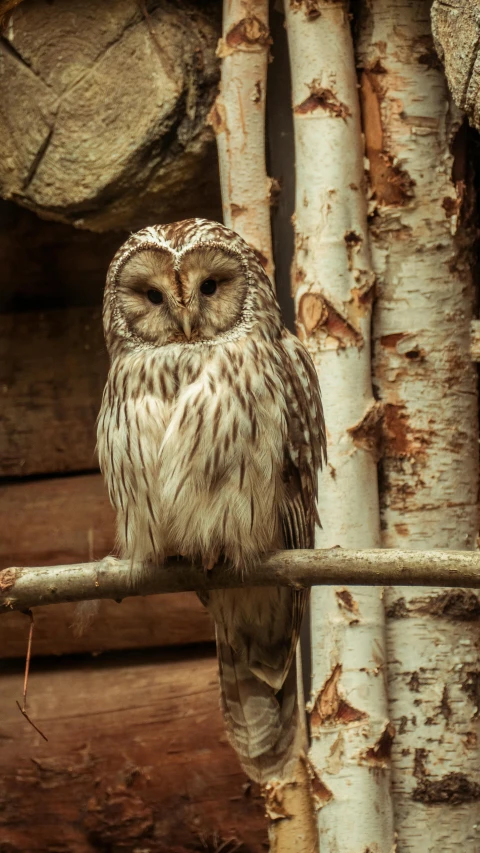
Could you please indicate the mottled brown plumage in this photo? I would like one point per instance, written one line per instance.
(210, 436)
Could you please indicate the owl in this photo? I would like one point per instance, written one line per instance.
(210, 436)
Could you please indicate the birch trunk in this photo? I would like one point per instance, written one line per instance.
(238, 119)
(427, 385)
(333, 290)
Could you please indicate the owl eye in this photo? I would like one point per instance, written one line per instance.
(208, 287)
(155, 296)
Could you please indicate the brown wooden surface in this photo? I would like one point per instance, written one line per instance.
(53, 367)
(61, 267)
(64, 520)
(137, 760)
(93, 152)
(159, 620)
(59, 520)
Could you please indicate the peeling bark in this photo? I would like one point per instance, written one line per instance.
(321, 98)
(427, 386)
(380, 753)
(290, 808)
(348, 718)
(329, 707)
(333, 286)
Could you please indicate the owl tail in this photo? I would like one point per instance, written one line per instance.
(259, 700)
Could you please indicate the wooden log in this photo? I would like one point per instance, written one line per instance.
(94, 153)
(46, 265)
(175, 619)
(456, 31)
(137, 759)
(70, 519)
(60, 520)
(53, 367)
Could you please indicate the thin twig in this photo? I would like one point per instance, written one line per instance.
(23, 709)
(225, 846)
(27, 662)
(30, 721)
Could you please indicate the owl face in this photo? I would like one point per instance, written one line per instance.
(193, 282)
(192, 297)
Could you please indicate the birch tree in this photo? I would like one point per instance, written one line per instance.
(427, 387)
(333, 290)
(238, 118)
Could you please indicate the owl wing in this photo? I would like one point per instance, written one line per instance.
(304, 453)
(306, 445)
(258, 676)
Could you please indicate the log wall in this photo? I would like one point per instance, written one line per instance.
(137, 757)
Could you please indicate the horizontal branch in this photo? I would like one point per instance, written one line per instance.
(22, 588)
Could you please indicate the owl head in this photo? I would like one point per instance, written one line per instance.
(193, 282)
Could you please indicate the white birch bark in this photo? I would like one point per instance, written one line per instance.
(427, 385)
(238, 118)
(333, 290)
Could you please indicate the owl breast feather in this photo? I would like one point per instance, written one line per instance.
(191, 441)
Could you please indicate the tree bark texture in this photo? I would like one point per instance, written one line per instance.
(333, 289)
(238, 118)
(456, 30)
(427, 386)
(136, 759)
(117, 98)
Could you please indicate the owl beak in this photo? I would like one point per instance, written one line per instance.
(186, 326)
